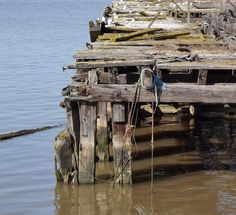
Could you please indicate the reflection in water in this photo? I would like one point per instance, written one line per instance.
(94, 199)
(194, 173)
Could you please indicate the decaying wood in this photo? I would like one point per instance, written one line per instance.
(202, 77)
(25, 132)
(173, 93)
(101, 64)
(73, 125)
(64, 154)
(102, 132)
(168, 49)
(134, 34)
(87, 142)
(162, 36)
(121, 139)
(208, 65)
(102, 149)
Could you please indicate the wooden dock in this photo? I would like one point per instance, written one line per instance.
(143, 52)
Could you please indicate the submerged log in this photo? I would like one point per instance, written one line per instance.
(25, 132)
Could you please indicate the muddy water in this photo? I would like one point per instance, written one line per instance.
(194, 161)
(194, 167)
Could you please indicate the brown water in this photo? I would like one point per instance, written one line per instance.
(194, 165)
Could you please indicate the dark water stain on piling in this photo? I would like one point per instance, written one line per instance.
(194, 174)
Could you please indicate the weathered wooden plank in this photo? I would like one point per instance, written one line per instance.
(208, 65)
(162, 36)
(135, 34)
(87, 142)
(73, 122)
(102, 125)
(186, 93)
(102, 132)
(147, 43)
(97, 54)
(118, 63)
(121, 139)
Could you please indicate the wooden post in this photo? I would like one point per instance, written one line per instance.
(202, 77)
(72, 112)
(188, 12)
(121, 138)
(87, 142)
(94, 30)
(102, 125)
(102, 132)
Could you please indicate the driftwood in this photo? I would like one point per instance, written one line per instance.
(25, 132)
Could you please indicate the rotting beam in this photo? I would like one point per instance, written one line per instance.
(185, 93)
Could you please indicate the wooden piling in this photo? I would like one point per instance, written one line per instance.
(102, 132)
(87, 142)
(102, 125)
(73, 121)
(121, 138)
(202, 77)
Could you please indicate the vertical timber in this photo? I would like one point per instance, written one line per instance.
(121, 138)
(73, 121)
(102, 132)
(202, 77)
(102, 125)
(87, 142)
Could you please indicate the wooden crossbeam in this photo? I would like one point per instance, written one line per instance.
(209, 65)
(116, 63)
(185, 93)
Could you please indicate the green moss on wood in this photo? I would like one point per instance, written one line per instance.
(129, 36)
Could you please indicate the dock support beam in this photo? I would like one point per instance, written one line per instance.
(121, 138)
(73, 121)
(202, 77)
(102, 132)
(102, 125)
(87, 142)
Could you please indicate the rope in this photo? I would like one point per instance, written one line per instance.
(152, 147)
(157, 85)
